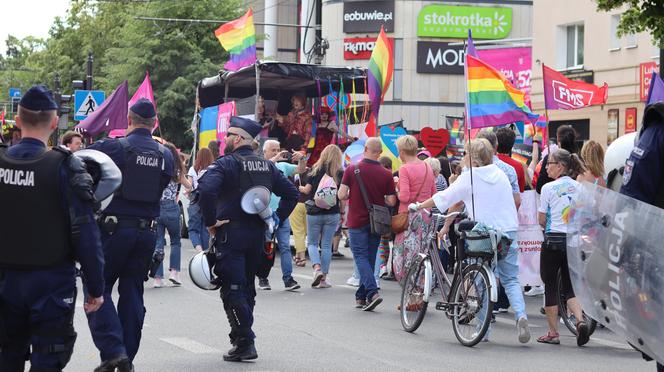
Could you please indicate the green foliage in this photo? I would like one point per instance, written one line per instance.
(176, 55)
(641, 15)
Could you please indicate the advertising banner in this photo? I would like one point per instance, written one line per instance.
(529, 239)
(368, 16)
(360, 47)
(439, 58)
(514, 63)
(453, 21)
(630, 120)
(645, 76)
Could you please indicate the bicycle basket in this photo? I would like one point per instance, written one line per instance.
(481, 241)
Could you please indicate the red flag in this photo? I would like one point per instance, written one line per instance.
(561, 93)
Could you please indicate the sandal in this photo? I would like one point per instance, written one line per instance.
(550, 338)
(300, 262)
(582, 333)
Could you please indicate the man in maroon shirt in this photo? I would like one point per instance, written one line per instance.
(379, 186)
(506, 138)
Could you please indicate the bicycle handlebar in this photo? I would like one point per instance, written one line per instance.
(445, 216)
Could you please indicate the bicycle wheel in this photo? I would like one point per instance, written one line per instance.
(567, 317)
(471, 305)
(413, 307)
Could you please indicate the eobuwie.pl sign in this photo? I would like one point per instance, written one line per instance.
(454, 21)
(368, 16)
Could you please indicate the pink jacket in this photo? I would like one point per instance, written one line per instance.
(411, 177)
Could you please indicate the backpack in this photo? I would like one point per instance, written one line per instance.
(325, 196)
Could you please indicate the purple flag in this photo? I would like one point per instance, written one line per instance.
(470, 47)
(112, 114)
(656, 92)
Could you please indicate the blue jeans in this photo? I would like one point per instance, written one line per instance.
(283, 244)
(321, 228)
(169, 219)
(507, 271)
(198, 233)
(356, 272)
(364, 246)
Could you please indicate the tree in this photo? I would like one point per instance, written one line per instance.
(641, 15)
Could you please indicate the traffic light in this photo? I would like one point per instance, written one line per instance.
(63, 104)
(79, 85)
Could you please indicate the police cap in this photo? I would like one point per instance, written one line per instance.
(143, 108)
(38, 98)
(247, 128)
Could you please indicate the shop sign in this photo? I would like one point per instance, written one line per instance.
(580, 75)
(645, 76)
(630, 120)
(368, 16)
(453, 21)
(360, 47)
(439, 58)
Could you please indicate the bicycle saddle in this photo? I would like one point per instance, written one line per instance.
(466, 225)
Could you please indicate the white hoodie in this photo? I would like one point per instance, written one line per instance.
(494, 203)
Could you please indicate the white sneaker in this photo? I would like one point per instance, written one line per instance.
(523, 329)
(157, 283)
(174, 277)
(353, 282)
(535, 291)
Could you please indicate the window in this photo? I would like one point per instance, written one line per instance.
(615, 40)
(397, 77)
(630, 41)
(574, 46)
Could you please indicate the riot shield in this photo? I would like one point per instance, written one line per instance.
(615, 253)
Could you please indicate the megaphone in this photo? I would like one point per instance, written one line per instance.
(106, 175)
(256, 200)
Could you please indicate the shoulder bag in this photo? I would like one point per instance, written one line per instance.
(400, 220)
(379, 215)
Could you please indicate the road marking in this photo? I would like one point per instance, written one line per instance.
(190, 345)
(302, 276)
(617, 345)
(513, 323)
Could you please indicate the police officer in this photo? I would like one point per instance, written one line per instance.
(128, 236)
(240, 236)
(48, 223)
(643, 177)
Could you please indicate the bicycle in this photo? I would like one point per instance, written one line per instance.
(567, 317)
(467, 299)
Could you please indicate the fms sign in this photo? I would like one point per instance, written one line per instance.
(454, 21)
(439, 58)
(368, 16)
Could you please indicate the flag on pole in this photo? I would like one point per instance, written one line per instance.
(561, 93)
(111, 114)
(656, 92)
(238, 37)
(381, 66)
(144, 91)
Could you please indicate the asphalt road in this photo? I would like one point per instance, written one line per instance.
(320, 330)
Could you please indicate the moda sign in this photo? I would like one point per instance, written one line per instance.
(439, 58)
(454, 21)
(360, 47)
(368, 16)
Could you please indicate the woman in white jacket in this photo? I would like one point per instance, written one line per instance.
(493, 206)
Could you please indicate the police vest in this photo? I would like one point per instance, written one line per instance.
(253, 171)
(35, 228)
(141, 175)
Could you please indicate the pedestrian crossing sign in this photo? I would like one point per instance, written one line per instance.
(86, 102)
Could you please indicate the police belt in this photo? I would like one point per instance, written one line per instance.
(244, 224)
(128, 222)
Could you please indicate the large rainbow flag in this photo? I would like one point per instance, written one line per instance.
(381, 66)
(492, 99)
(238, 37)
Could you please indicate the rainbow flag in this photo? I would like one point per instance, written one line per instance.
(492, 100)
(381, 66)
(238, 37)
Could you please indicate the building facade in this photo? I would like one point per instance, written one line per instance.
(428, 82)
(584, 44)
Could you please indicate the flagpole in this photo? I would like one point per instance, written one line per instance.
(546, 113)
(468, 124)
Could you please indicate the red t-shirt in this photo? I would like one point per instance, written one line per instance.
(518, 167)
(377, 181)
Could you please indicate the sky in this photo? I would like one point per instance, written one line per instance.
(29, 18)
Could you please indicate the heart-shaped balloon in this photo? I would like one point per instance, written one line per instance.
(434, 140)
(389, 136)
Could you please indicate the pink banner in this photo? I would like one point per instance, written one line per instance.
(144, 91)
(514, 63)
(226, 110)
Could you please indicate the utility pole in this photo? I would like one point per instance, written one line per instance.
(58, 98)
(88, 77)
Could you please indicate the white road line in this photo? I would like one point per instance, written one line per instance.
(302, 276)
(513, 323)
(617, 345)
(190, 345)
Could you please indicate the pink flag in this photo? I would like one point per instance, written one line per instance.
(144, 91)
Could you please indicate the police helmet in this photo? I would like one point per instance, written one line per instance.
(615, 157)
(200, 272)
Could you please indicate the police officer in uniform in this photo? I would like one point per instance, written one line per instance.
(47, 199)
(643, 177)
(129, 236)
(240, 236)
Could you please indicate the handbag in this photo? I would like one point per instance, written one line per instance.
(399, 221)
(379, 215)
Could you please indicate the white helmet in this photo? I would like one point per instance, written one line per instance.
(615, 157)
(200, 272)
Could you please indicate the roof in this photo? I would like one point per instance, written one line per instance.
(278, 80)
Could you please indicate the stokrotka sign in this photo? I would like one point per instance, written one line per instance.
(368, 16)
(454, 21)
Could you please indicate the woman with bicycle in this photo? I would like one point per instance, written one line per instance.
(556, 203)
(488, 199)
